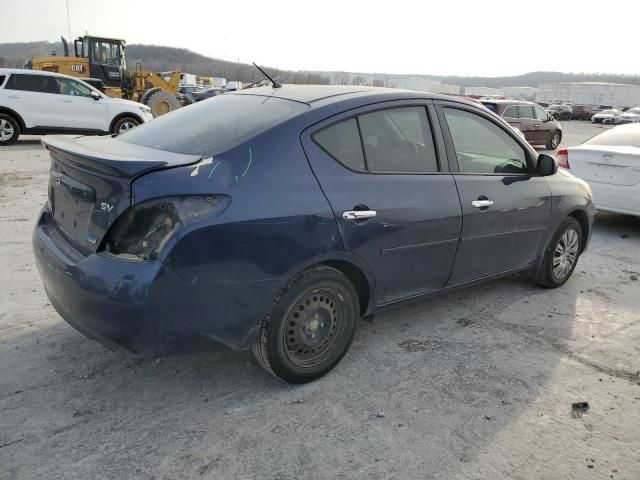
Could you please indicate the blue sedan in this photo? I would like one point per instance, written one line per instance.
(273, 219)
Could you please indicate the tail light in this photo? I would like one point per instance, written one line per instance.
(144, 229)
(563, 158)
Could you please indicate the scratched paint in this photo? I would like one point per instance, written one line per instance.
(248, 164)
(213, 169)
(196, 168)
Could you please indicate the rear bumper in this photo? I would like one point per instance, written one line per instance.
(616, 198)
(141, 306)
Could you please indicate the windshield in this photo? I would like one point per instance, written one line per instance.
(214, 126)
(609, 112)
(554, 107)
(627, 135)
(634, 110)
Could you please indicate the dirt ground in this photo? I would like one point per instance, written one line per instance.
(478, 384)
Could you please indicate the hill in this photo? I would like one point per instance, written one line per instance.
(161, 58)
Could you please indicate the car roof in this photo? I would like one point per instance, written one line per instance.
(508, 102)
(316, 95)
(25, 71)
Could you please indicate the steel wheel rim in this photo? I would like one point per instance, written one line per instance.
(565, 254)
(6, 130)
(126, 126)
(555, 140)
(313, 327)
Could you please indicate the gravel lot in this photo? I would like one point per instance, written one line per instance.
(478, 384)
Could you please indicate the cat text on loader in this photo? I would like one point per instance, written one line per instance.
(101, 61)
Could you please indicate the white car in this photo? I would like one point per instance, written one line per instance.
(37, 102)
(606, 116)
(630, 116)
(610, 163)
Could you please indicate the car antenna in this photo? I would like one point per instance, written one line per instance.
(273, 82)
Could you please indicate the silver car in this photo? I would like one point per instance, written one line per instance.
(606, 116)
(630, 116)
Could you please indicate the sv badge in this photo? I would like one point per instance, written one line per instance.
(105, 207)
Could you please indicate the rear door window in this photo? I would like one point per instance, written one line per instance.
(395, 140)
(511, 112)
(32, 83)
(525, 111)
(398, 140)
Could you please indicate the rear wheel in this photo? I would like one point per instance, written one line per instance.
(310, 326)
(9, 129)
(561, 256)
(161, 102)
(124, 124)
(554, 140)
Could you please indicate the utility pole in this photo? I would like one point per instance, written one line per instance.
(69, 21)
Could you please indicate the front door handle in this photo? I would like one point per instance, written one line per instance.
(358, 214)
(536, 125)
(481, 203)
(13, 96)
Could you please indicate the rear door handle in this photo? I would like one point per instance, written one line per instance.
(67, 101)
(358, 214)
(13, 96)
(481, 203)
(536, 125)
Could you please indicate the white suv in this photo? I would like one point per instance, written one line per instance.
(38, 102)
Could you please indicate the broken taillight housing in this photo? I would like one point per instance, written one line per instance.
(145, 228)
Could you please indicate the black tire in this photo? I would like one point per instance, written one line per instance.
(124, 124)
(319, 301)
(9, 129)
(546, 276)
(554, 140)
(161, 102)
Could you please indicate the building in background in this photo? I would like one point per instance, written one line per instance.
(590, 93)
(481, 91)
(527, 93)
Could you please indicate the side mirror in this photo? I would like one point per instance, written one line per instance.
(95, 95)
(547, 165)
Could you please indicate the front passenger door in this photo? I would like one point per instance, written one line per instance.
(529, 123)
(506, 208)
(79, 110)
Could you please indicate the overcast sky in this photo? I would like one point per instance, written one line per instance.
(464, 37)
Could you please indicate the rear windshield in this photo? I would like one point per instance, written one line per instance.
(215, 125)
(618, 137)
(491, 106)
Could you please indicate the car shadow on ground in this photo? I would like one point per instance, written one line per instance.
(433, 380)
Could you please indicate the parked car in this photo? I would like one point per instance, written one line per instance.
(629, 116)
(273, 219)
(537, 126)
(36, 102)
(609, 163)
(208, 93)
(185, 92)
(583, 112)
(560, 112)
(606, 116)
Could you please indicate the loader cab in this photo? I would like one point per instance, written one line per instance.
(106, 58)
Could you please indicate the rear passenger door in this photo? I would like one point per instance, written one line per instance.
(510, 114)
(394, 201)
(35, 99)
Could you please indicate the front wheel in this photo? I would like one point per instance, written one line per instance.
(310, 326)
(561, 256)
(554, 141)
(124, 124)
(9, 130)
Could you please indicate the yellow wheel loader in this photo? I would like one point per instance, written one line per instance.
(101, 62)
